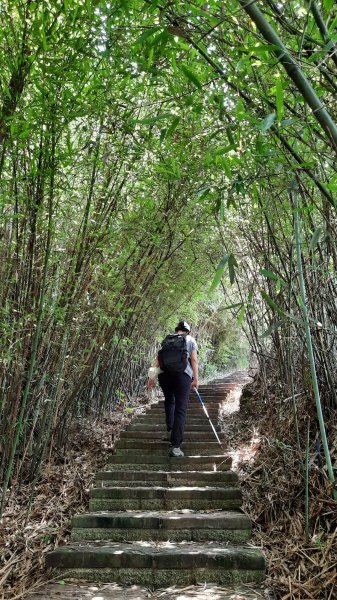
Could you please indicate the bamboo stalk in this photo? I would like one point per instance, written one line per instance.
(322, 27)
(297, 232)
(320, 113)
(307, 480)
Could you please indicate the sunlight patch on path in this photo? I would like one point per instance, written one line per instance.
(232, 403)
(203, 591)
(245, 452)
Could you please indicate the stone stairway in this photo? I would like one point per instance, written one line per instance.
(159, 521)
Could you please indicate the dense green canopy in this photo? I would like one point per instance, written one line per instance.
(151, 154)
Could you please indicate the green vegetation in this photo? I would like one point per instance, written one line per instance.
(147, 150)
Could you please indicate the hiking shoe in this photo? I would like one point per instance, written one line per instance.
(176, 452)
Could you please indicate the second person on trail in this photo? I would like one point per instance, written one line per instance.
(178, 361)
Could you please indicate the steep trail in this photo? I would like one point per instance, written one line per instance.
(157, 521)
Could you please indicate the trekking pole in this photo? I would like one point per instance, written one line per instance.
(207, 415)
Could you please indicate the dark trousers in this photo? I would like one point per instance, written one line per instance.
(176, 388)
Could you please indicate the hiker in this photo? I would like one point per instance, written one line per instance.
(177, 367)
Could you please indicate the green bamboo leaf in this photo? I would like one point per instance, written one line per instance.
(331, 186)
(88, 5)
(224, 150)
(12, 216)
(241, 314)
(332, 25)
(219, 272)
(44, 39)
(271, 275)
(328, 4)
(272, 304)
(286, 122)
(153, 120)
(240, 110)
(230, 135)
(231, 267)
(203, 192)
(150, 57)
(231, 202)
(173, 126)
(191, 76)
(274, 327)
(238, 185)
(267, 122)
(148, 33)
(315, 237)
(230, 306)
(328, 47)
(261, 48)
(227, 169)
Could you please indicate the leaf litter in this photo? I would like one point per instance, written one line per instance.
(261, 439)
(62, 491)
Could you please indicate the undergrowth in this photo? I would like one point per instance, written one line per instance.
(301, 564)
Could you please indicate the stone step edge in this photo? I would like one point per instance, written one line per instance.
(138, 556)
(192, 457)
(162, 452)
(157, 520)
(153, 578)
(120, 462)
(194, 445)
(155, 467)
(192, 427)
(163, 493)
(160, 419)
(168, 475)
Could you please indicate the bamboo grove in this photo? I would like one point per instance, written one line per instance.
(149, 149)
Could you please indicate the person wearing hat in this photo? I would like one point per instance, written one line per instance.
(176, 385)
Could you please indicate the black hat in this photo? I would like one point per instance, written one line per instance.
(183, 326)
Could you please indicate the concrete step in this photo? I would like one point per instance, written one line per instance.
(148, 418)
(166, 478)
(211, 399)
(191, 414)
(190, 423)
(157, 435)
(159, 521)
(218, 388)
(130, 446)
(155, 461)
(192, 408)
(159, 565)
(162, 498)
(174, 526)
(204, 428)
(211, 395)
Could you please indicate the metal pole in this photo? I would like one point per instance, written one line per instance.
(207, 415)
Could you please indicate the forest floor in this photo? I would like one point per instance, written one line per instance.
(301, 561)
(298, 567)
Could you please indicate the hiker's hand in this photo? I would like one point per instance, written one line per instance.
(150, 384)
(195, 384)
